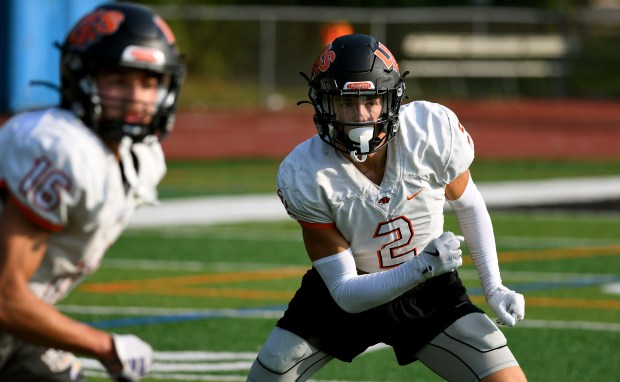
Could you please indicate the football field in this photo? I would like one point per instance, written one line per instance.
(207, 296)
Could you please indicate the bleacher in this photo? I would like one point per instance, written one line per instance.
(504, 57)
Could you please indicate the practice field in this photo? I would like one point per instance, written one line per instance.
(207, 297)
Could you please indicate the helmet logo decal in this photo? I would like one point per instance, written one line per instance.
(386, 56)
(361, 85)
(143, 54)
(324, 60)
(165, 29)
(95, 25)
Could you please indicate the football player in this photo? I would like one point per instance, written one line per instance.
(368, 192)
(71, 178)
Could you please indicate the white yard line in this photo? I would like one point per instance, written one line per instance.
(612, 288)
(226, 209)
(205, 365)
(189, 266)
(275, 313)
(577, 325)
(199, 366)
(156, 311)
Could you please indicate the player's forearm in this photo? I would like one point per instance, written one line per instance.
(356, 293)
(27, 317)
(477, 228)
(22, 247)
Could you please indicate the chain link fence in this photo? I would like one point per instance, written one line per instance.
(251, 55)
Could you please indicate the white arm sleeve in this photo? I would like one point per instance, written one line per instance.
(355, 293)
(475, 223)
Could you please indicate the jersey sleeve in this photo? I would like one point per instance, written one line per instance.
(459, 149)
(39, 176)
(301, 196)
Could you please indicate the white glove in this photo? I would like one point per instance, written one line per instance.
(507, 304)
(135, 355)
(443, 254)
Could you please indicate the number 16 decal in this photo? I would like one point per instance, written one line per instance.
(44, 184)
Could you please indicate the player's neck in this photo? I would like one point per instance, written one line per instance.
(373, 167)
(114, 147)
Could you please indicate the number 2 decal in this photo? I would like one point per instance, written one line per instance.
(400, 230)
(44, 184)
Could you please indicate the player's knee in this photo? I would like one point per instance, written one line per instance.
(283, 350)
(478, 331)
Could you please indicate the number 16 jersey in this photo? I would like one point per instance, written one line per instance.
(61, 175)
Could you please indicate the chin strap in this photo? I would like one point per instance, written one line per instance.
(359, 159)
(127, 164)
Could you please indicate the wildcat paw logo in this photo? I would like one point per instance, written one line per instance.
(94, 26)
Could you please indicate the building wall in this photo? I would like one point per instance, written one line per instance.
(30, 28)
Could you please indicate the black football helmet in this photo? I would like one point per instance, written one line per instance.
(356, 65)
(120, 35)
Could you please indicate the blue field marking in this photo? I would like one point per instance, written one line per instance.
(190, 316)
(578, 282)
(240, 313)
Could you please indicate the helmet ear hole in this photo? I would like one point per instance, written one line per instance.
(73, 62)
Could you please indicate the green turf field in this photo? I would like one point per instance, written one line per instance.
(207, 297)
(258, 175)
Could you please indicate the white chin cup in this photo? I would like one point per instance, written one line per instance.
(363, 136)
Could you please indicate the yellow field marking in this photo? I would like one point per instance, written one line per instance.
(182, 286)
(245, 294)
(177, 283)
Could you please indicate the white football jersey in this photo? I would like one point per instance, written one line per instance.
(65, 179)
(385, 224)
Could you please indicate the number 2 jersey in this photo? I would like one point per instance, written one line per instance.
(62, 176)
(389, 223)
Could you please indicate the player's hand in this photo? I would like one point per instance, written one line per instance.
(507, 304)
(441, 255)
(135, 356)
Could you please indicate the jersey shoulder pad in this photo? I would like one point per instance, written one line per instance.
(439, 142)
(297, 182)
(50, 161)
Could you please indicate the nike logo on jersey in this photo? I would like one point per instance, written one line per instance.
(409, 197)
